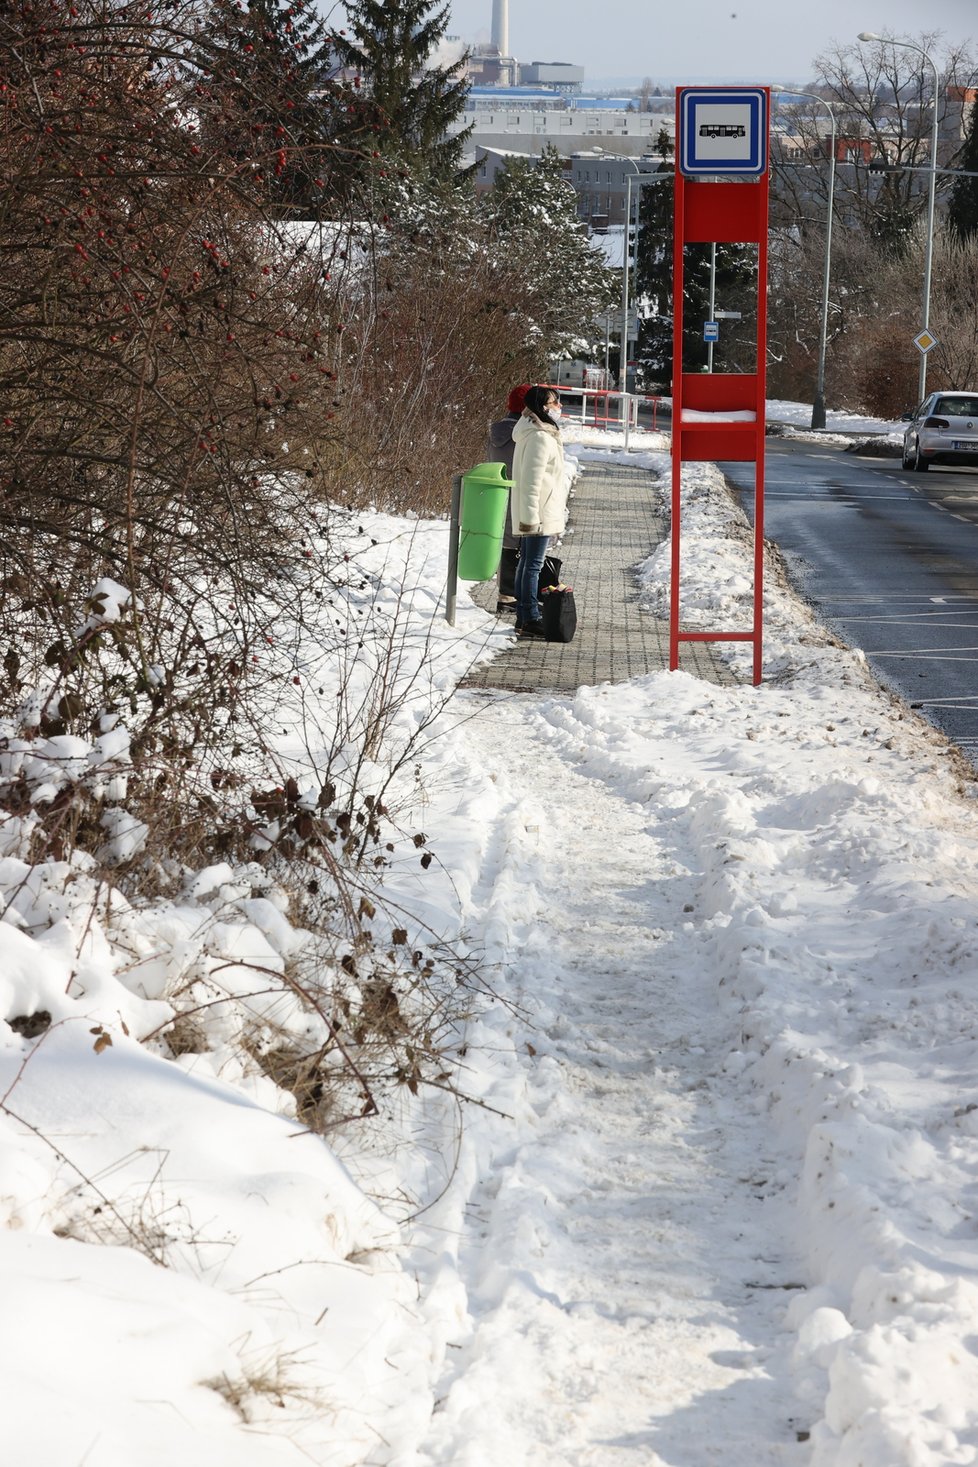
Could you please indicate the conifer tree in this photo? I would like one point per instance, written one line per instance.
(653, 281)
(962, 214)
(532, 212)
(386, 53)
(654, 273)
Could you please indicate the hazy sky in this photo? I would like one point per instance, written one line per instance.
(734, 40)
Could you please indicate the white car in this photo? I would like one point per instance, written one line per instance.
(942, 430)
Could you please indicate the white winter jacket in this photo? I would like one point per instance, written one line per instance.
(539, 484)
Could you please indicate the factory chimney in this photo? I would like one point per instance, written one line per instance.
(500, 26)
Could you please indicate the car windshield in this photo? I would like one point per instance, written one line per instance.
(958, 407)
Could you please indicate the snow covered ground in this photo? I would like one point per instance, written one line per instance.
(794, 419)
(799, 415)
(712, 1193)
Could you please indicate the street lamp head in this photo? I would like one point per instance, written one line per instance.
(779, 90)
(869, 36)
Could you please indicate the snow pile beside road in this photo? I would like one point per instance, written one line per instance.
(799, 414)
(831, 896)
(717, 582)
(189, 1273)
(838, 874)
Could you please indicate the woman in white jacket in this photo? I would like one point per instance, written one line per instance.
(539, 498)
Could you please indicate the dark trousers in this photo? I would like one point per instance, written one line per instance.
(533, 549)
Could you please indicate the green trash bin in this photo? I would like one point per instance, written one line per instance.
(485, 495)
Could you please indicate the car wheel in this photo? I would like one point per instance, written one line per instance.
(920, 464)
(907, 462)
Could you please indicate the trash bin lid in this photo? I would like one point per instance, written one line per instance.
(489, 474)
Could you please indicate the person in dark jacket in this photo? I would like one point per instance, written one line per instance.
(500, 451)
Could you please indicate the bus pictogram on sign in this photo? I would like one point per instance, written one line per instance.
(722, 130)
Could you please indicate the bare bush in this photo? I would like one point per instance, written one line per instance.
(194, 386)
(863, 310)
(164, 362)
(954, 319)
(430, 357)
(882, 99)
(878, 358)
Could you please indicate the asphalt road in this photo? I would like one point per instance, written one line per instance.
(890, 559)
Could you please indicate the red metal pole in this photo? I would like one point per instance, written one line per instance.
(762, 245)
(677, 407)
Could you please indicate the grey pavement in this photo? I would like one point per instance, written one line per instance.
(615, 523)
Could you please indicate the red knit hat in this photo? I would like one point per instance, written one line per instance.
(514, 403)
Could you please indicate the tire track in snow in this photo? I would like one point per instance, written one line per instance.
(624, 1263)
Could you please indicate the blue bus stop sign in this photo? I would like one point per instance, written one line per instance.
(723, 130)
(711, 331)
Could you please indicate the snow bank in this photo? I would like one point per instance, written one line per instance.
(190, 1273)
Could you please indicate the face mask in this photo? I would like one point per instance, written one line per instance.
(554, 410)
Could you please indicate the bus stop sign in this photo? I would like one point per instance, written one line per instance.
(719, 416)
(723, 130)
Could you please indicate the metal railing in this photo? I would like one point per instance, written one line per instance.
(605, 407)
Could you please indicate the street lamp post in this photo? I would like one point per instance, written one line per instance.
(625, 266)
(932, 191)
(818, 406)
(713, 302)
(638, 178)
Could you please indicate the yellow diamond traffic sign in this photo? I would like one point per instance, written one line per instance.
(924, 341)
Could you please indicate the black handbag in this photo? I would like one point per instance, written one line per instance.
(550, 574)
(559, 613)
(507, 572)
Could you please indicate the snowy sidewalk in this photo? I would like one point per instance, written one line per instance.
(623, 1260)
(722, 1208)
(616, 521)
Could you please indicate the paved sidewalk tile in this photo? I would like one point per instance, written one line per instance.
(615, 524)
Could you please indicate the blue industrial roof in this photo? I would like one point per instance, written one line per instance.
(546, 94)
(609, 104)
(516, 94)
